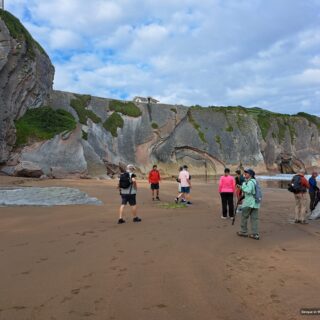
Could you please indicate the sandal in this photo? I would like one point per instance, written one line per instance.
(254, 236)
(241, 234)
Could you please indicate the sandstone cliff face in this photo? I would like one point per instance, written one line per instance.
(26, 76)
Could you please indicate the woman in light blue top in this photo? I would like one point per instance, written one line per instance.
(250, 208)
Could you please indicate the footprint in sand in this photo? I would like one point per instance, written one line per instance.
(26, 272)
(70, 251)
(274, 298)
(114, 268)
(75, 291)
(98, 301)
(282, 282)
(19, 307)
(23, 244)
(65, 299)
(42, 260)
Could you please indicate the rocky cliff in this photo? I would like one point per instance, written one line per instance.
(81, 134)
(26, 77)
(210, 138)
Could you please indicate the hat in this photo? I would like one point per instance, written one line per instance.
(131, 167)
(250, 171)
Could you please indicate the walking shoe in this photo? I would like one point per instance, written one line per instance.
(189, 202)
(136, 219)
(120, 221)
(254, 236)
(183, 200)
(158, 198)
(176, 200)
(304, 222)
(296, 221)
(223, 217)
(241, 234)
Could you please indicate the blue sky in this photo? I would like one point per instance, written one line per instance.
(254, 53)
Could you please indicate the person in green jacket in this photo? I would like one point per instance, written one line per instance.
(250, 208)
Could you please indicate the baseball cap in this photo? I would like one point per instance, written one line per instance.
(250, 171)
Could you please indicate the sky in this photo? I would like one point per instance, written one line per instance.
(253, 53)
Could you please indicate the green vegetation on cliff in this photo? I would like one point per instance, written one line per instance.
(154, 125)
(113, 123)
(196, 126)
(218, 141)
(20, 33)
(264, 118)
(126, 108)
(43, 124)
(313, 119)
(79, 105)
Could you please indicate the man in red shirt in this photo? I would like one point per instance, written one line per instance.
(154, 179)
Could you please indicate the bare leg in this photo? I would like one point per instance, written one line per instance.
(121, 211)
(134, 211)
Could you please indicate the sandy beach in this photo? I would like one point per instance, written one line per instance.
(76, 262)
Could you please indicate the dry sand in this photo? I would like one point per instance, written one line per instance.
(75, 262)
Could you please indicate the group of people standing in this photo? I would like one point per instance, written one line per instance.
(244, 187)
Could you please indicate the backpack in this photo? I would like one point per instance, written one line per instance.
(258, 192)
(295, 185)
(125, 180)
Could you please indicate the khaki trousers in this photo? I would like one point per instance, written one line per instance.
(301, 206)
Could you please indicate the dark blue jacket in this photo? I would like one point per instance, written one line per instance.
(313, 184)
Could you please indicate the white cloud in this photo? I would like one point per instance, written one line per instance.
(231, 52)
(60, 39)
(308, 77)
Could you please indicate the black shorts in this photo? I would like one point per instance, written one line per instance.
(131, 198)
(154, 186)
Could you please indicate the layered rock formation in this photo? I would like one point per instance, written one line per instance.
(26, 77)
(205, 138)
(111, 134)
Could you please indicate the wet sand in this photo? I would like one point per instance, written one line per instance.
(75, 262)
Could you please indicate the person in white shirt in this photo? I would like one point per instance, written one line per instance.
(184, 178)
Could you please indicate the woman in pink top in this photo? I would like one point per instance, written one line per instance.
(227, 187)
